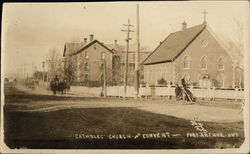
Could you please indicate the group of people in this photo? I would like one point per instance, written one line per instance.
(60, 86)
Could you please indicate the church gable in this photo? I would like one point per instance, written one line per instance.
(205, 45)
(205, 56)
(174, 45)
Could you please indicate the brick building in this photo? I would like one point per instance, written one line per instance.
(195, 54)
(87, 60)
(84, 61)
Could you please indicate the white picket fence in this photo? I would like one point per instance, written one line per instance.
(86, 91)
(118, 91)
(201, 93)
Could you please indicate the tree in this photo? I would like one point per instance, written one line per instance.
(54, 63)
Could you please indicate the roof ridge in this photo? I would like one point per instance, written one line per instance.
(175, 43)
(89, 44)
(157, 47)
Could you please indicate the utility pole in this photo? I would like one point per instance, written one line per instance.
(35, 74)
(43, 70)
(137, 55)
(33, 70)
(104, 77)
(126, 58)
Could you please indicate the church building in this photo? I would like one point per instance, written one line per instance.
(195, 54)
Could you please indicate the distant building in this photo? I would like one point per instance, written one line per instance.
(120, 55)
(195, 54)
(85, 61)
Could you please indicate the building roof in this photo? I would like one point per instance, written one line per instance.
(132, 48)
(71, 47)
(87, 46)
(174, 45)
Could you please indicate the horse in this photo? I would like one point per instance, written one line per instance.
(60, 86)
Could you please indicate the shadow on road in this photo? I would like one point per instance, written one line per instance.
(58, 129)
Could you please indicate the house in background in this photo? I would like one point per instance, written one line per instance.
(195, 54)
(84, 61)
(87, 60)
(120, 55)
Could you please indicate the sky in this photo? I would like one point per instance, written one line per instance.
(30, 30)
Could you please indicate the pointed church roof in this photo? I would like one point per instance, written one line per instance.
(174, 45)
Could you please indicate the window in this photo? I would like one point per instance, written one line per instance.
(186, 62)
(102, 55)
(86, 56)
(86, 76)
(131, 67)
(102, 66)
(86, 66)
(221, 64)
(204, 62)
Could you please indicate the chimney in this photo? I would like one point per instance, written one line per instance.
(85, 40)
(184, 25)
(91, 37)
(115, 42)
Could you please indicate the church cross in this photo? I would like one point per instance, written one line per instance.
(205, 14)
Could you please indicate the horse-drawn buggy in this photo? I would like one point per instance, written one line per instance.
(30, 83)
(60, 86)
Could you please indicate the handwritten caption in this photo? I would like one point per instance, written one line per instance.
(152, 136)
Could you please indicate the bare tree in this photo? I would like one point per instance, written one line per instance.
(54, 63)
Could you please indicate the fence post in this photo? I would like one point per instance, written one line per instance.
(236, 91)
(146, 90)
(168, 91)
(139, 94)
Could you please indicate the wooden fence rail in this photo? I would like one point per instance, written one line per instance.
(118, 91)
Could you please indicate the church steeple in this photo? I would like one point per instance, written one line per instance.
(184, 25)
(205, 16)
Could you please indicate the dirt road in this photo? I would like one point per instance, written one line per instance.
(217, 111)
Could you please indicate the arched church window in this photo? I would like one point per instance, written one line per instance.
(204, 62)
(221, 63)
(186, 61)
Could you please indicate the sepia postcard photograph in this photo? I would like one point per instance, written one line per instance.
(145, 77)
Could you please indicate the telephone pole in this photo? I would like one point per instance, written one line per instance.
(104, 77)
(43, 63)
(137, 55)
(126, 58)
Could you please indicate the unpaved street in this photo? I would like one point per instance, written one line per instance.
(225, 111)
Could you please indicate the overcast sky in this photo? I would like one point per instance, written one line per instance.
(30, 30)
